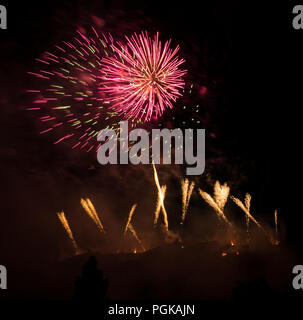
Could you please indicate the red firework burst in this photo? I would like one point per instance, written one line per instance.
(142, 78)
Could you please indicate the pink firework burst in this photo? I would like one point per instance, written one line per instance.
(65, 94)
(142, 78)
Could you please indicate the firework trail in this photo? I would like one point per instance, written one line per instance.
(165, 219)
(187, 190)
(130, 217)
(246, 210)
(68, 230)
(96, 217)
(132, 230)
(159, 204)
(247, 201)
(91, 211)
(221, 193)
(218, 202)
(184, 188)
(66, 98)
(247, 224)
(161, 197)
(276, 226)
(142, 78)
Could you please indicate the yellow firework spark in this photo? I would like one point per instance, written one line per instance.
(132, 230)
(97, 219)
(247, 201)
(130, 217)
(247, 223)
(214, 205)
(240, 204)
(92, 213)
(159, 204)
(68, 230)
(276, 226)
(165, 220)
(187, 190)
(221, 193)
(161, 197)
(184, 188)
(189, 193)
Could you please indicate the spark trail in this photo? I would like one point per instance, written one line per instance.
(159, 204)
(160, 197)
(245, 209)
(68, 230)
(132, 210)
(187, 190)
(220, 195)
(91, 211)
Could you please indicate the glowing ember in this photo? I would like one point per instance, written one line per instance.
(142, 78)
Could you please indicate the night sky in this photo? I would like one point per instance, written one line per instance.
(246, 56)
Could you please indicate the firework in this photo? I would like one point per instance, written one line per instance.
(142, 78)
(184, 188)
(159, 203)
(91, 211)
(221, 193)
(133, 232)
(161, 197)
(245, 208)
(247, 201)
(218, 202)
(130, 217)
(276, 227)
(66, 98)
(68, 230)
(187, 190)
(247, 224)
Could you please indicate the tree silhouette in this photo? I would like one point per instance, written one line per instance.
(91, 285)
